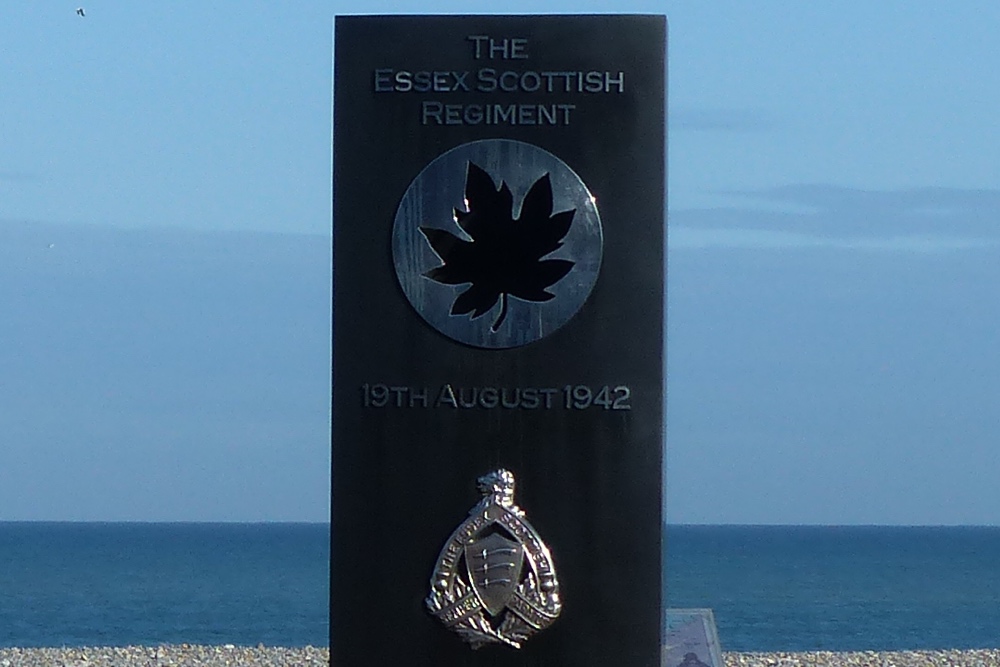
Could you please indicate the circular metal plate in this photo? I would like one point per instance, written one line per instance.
(479, 264)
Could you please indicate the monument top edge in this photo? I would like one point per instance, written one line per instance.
(543, 15)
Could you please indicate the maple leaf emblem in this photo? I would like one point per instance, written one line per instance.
(505, 256)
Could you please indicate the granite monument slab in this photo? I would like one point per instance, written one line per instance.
(498, 310)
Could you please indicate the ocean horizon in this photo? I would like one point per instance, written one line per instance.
(771, 587)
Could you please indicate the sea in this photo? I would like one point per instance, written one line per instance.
(771, 588)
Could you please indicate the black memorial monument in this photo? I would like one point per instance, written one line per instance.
(499, 195)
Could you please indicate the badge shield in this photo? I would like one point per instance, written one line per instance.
(494, 566)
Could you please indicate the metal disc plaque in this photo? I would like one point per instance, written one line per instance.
(499, 197)
(506, 201)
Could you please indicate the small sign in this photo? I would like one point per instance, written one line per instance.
(690, 639)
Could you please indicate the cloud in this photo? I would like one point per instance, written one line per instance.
(685, 238)
(932, 209)
(922, 220)
(719, 120)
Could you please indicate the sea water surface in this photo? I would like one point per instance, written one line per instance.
(119, 584)
(840, 588)
(771, 588)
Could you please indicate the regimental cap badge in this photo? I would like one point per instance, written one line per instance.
(494, 581)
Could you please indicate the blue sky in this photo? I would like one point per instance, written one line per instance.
(834, 199)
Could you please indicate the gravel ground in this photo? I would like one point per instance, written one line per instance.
(185, 655)
(182, 655)
(978, 658)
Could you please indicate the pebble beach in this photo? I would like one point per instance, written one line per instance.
(976, 658)
(181, 655)
(185, 655)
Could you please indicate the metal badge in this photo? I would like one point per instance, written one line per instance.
(494, 581)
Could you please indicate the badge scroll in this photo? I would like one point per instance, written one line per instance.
(495, 581)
